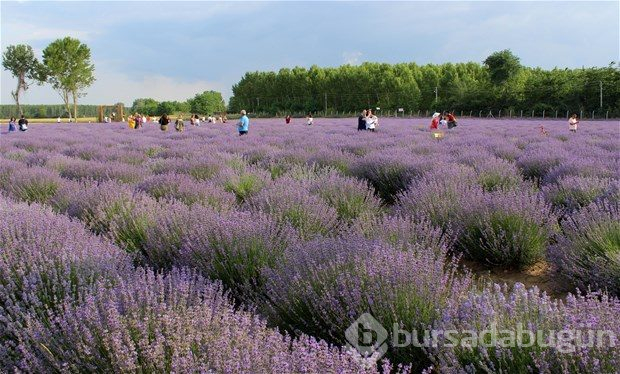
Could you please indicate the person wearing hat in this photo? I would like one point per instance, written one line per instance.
(244, 123)
(435, 121)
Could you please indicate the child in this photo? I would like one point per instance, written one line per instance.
(309, 119)
(443, 123)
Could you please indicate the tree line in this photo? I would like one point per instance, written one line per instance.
(207, 103)
(500, 82)
(46, 111)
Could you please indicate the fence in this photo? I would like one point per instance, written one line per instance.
(491, 113)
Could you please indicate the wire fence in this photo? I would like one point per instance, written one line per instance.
(491, 114)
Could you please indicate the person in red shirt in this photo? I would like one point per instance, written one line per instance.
(451, 120)
(287, 119)
(435, 121)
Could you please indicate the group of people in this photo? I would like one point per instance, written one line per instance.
(309, 119)
(447, 119)
(22, 124)
(367, 121)
(194, 120)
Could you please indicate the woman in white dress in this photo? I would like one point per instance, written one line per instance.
(572, 123)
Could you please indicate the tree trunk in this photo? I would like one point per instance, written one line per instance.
(16, 94)
(75, 106)
(65, 98)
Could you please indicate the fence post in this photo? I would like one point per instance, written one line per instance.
(521, 113)
(607, 115)
(556, 113)
(543, 114)
(592, 115)
(470, 113)
(532, 113)
(480, 114)
(510, 113)
(581, 114)
(499, 115)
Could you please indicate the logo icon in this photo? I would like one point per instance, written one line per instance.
(367, 336)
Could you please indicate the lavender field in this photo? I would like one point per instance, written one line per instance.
(146, 251)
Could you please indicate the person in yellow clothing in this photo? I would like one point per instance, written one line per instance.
(131, 122)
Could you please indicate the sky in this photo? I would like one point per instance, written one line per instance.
(173, 50)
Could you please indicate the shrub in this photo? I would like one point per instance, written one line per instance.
(588, 252)
(390, 175)
(45, 259)
(505, 228)
(289, 203)
(323, 286)
(187, 190)
(33, 185)
(441, 197)
(350, 197)
(245, 184)
(234, 248)
(521, 311)
(570, 193)
(173, 323)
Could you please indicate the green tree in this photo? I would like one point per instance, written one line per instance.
(20, 61)
(208, 102)
(69, 69)
(145, 106)
(502, 66)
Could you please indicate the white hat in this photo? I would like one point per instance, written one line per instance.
(435, 115)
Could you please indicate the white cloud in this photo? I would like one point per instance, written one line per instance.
(352, 58)
(30, 32)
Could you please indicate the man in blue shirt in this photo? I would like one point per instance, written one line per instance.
(244, 123)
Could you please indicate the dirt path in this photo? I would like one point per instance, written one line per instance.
(540, 275)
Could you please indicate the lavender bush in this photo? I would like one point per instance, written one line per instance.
(588, 252)
(44, 260)
(173, 323)
(520, 330)
(507, 229)
(234, 248)
(291, 204)
(323, 286)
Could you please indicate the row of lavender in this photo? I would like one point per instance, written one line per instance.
(286, 221)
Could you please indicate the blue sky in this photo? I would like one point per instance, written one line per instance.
(172, 50)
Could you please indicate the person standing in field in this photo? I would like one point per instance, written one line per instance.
(163, 122)
(361, 121)
(23, 123)
(287, 119)
(12, 124)
(435, 121)
(243, 125)
(371, 121)
(572, 123)
(309, 119)
(451, 120)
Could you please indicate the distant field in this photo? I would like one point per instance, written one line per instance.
(53, 120)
